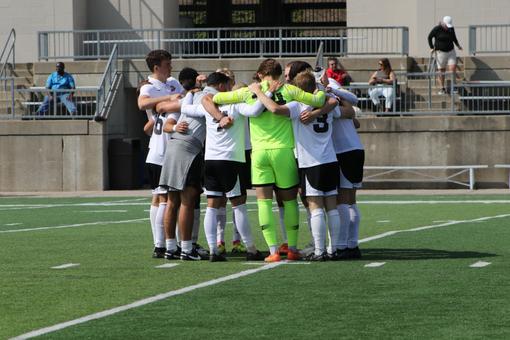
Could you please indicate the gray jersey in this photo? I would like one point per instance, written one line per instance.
(196, 125)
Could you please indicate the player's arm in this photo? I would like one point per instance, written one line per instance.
(315, 100)
(238, 96)
(146, 102)
(171, 125)
(209, 105)
(309, 116)
(268, 102)
(344, 95)
(147, 129)
(345, 110)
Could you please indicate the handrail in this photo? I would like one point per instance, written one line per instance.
(105, 84)
(489, 39)
(11, 49)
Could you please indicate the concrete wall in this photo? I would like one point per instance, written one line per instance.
(420, 16)
(29, 17)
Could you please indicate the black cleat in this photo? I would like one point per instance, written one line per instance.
(203, 253)
(354, 253)
(317, 258)
(217, 258)
(340, 255)
(257, 256)
(173, 254)
(193, 255)
(158, 253)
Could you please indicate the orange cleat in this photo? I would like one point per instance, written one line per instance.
(273, 258)
(293, 256)
(283, 249)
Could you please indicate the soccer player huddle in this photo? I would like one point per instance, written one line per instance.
(302, 136)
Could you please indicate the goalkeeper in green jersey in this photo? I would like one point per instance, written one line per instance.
(273, 161)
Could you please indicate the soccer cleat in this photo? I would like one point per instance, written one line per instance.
(203, 253)
(283, 249)
(257, 256)
(193, 255)
(173, 254)
(354, 253)
(293, 255)
(238, 248)
(159, 253)
(317, 258)
(217, 258)
(273, 258)
(222, 249)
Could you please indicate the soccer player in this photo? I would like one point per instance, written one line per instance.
(159, 87)
(273, 162)
(224, 164)
(182, 170)
(316, 159)
(351, 158)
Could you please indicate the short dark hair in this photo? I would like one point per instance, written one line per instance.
(188, 78)
(298, 66)
(332, 59)
(305, 81)
(155, 57)
(217, 78)
(269, 67)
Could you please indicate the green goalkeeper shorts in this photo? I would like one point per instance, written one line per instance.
(274, 167)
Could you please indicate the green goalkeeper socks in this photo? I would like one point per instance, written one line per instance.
(291, 219)
(267, 221)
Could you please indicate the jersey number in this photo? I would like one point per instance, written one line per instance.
(279, 99)
(322, 124)
(158, 125)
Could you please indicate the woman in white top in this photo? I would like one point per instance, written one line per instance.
(383, 80)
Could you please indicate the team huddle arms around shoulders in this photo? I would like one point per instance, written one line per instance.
(279, 138)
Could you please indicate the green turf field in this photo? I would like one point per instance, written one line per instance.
(425, 287)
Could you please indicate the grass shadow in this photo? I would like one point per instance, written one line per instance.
(419, 254)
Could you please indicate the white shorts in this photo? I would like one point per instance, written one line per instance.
(446, 58)
(346, 184)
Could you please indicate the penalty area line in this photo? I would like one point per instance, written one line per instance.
(73, 225)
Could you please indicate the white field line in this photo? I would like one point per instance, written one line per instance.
(67, 265)
(375, 264)
(480, 264)
(143, 302)
(120, 203)
(73, 225)
(167, 265)
(393, 232)
(101, 211)
(212, 282)
(12, 224)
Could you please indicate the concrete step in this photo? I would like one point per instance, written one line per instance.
(425, 105)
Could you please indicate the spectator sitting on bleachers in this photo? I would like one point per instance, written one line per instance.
(59, 80)
(383, 79)
(337, 72)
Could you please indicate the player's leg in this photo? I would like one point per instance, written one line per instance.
(170, 222)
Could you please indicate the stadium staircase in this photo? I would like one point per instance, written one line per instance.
(23, 74)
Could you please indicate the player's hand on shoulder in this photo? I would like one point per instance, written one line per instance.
(254, 87)
(226, 122)
(275, 85)
(306, 117)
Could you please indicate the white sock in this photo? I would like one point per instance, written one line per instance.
(196, 225)
(334, 229)
(171, 244)
(309, 219)
(355, 217)
(282, 225)
(177, 234)
(236, 236)
(221, 222)
(159, 229)
(318, 222)
(345, 220)
(152, 216)
(210, 222)
(241, 218)
(187, 246)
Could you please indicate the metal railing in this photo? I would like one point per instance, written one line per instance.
(489, 39)
(42, 103)
(105, 93)
(224, 42)
(8, 51)
(7, 108)
(85, 102)
(418, 94)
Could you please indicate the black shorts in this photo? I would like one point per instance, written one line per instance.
(246, 172)
(154, 174)
(351, 164)
(224, 177)
(319, 180)
(196, 172)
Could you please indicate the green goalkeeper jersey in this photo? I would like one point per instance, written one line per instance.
(268, 130)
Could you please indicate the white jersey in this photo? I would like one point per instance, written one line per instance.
(313, 141)
(158, 141)
(345, 136)
(226, 144)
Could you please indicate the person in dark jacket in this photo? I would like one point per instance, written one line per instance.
(444, 37)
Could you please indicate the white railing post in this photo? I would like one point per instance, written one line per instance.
(471, 178)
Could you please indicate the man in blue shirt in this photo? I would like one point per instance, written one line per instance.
(59, 80)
